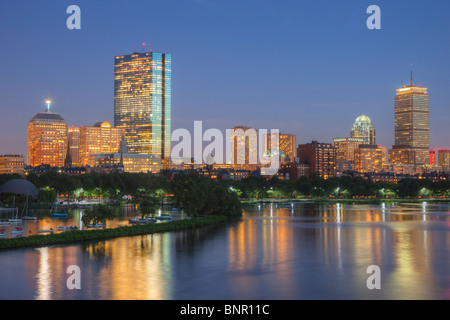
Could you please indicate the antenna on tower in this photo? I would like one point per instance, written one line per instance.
(150, 47)
(143, 47)
(411, 75)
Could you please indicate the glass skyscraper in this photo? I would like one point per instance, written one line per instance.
(142, 102)
(411, 126)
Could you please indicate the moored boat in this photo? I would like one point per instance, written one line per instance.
(58, 215)
(164, 218)
(30, 218)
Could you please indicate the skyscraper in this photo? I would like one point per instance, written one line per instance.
(47, 139)
(142, 101)
(363, 128)
(244, 148)
(411, 126)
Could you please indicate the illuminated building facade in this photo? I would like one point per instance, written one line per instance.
(432, 157)
(244, 148)
(101, 138)
(363, 128)
(287, 146)
(142, 102)
(345, 152)
(321, 158)
(10, 164)
(369, 158)
(132, 163)
(411, 126)
(47, 139)
(74, 145)
(444, 159)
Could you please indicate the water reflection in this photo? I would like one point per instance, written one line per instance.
(44, 276)
(292, 251)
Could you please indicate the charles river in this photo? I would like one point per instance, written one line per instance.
(288, 251)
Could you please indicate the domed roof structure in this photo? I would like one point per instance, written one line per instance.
(20, 186)
(363, 128)
(363, 119)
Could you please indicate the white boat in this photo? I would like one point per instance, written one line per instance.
(17, 231)
(98, 225)
(32, 218)
(67, 228)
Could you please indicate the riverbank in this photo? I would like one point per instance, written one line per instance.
(348, 200)
(103, 234)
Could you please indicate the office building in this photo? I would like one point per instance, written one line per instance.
(47, 139)
(100, 138)
(287, 147)
(363, 128)
(345, 152)
(11, 164)
(444, 159)
(321, 158)
(432, 157)
(369, 158)
(142, 102)
(244, 148)
(411, 126)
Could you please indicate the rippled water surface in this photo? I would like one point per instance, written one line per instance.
(289, 252)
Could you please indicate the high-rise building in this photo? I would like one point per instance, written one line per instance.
(10, 164)
(444, 159)
(244, 148)
(321, 158)
(369, 158)
(100, 138)
(74, 145)
(142, 102)
(363, 128)
(47, 139)
(411, 126)
(287, 146)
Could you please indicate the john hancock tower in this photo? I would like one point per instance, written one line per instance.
(142, 102)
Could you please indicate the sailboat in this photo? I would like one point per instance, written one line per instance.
(16, 219)
(27, 216)
(54, 213)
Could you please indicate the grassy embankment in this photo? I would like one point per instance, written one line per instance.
(99, 234)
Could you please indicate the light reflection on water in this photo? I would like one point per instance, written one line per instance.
(277, 251)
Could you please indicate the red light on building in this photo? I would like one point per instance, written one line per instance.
(432, 157)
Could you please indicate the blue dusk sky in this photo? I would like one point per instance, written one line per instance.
(304, 67)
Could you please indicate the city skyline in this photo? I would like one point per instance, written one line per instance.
(314, 104)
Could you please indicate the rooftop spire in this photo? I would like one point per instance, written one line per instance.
(48, 103)
(412, 75)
